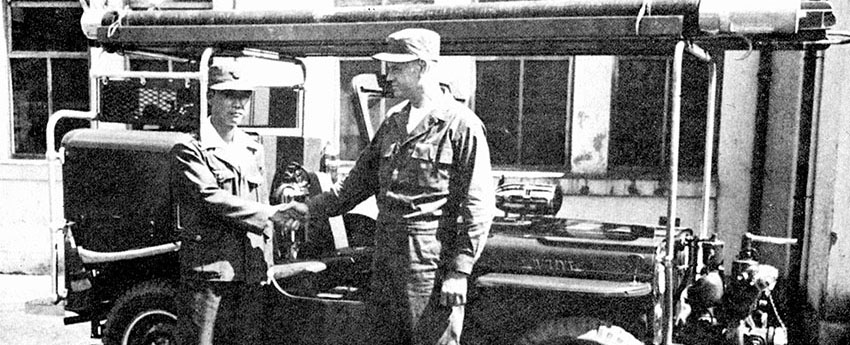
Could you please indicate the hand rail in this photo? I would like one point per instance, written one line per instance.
(52, 155)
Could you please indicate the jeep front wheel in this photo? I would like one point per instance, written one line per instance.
(146, 314)
(578, 331)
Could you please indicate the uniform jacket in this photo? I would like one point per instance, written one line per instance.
(423, 183)
(223, 219)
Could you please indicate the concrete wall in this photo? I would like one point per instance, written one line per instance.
(635, 210)
(735, 148)
(830, 241)
(24, 212)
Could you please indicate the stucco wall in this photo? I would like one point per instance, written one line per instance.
(735, 148)
(24, 235)
(836, 131)
(636, 210)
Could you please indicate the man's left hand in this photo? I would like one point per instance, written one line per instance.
(453, 291)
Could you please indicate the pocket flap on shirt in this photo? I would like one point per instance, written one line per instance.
(223, 174)
(429, 152)
(423, 151)
(255, 177)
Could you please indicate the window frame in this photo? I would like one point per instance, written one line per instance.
(661, 171)
(48, 57)
(547, 169)
(646, 170)
(643, 172)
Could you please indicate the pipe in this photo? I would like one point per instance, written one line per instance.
(51, 155)
(811, 277)
(698, 52)
(204, 75)
(708, 161)
(709, 147)
(157, 56)
(676, 119)
(414, 12)
(751, 16)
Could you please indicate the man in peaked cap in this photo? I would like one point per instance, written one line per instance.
(429, 169)
(411, 44)
(226, 223)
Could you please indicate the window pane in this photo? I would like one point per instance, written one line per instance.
(70, 84)
(496, 103)
(70, 91)
(544, 112)
(47, 29)
(31, 111)
(283, 107)
(639, 123)
(637, 114)
(29, 85)
(694, 103)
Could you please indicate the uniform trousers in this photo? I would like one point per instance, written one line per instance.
(221, 313)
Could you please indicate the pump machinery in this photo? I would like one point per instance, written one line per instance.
(542, 278)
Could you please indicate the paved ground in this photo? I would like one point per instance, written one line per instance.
(19, 327)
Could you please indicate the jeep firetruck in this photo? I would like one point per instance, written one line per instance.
(542, 279)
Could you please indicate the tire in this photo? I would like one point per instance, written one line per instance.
(145, 314)
(578, 331)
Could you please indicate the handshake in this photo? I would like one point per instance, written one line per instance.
(291, 216)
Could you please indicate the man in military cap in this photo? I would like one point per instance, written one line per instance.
(429, 169)
(225, 224)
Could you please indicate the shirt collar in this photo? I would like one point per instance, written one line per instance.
(214, 140)
(440, 112)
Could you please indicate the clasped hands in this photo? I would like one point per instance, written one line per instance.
(290, 216)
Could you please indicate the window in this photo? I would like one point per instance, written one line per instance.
(638, 123)
(589, 115)
(523, 103)
(605, 116)
(49, 70)
(640, 114)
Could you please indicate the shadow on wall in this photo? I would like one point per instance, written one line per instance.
(835, 328)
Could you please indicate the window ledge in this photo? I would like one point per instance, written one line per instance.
(606, 186)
